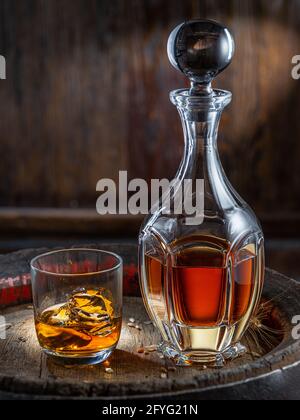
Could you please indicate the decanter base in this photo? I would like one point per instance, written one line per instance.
(201, 358)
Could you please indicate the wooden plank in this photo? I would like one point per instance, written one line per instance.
(62, 221)
(87, 95)
(59, 221)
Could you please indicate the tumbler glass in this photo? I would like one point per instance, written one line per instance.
(77, 296)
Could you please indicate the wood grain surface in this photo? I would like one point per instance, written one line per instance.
(20, 355)
(87, 91)
(24, 370)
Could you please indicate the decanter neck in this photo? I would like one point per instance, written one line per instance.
(200, 119)
(200, 133)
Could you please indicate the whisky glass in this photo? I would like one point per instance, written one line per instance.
(77, 296)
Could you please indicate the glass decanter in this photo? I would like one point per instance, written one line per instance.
(201, 277)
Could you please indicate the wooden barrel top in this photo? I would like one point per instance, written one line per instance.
(267, 371)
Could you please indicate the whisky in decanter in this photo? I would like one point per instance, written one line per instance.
(201, 281)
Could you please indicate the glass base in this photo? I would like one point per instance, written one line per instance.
(206, 359)
(80, 360)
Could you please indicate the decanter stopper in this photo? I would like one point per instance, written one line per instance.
(201, 49)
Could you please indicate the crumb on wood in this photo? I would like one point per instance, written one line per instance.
(151, 349)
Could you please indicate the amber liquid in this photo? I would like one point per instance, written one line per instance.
(83, 325)
(203, 290)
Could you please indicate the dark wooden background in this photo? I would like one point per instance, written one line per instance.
(86, 95)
